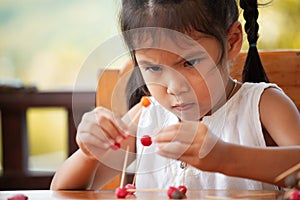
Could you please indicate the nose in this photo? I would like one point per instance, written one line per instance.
(177, 84)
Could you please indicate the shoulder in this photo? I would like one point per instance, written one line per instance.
(279, 116)
(257, 87)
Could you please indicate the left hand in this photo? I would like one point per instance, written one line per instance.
(190, 142)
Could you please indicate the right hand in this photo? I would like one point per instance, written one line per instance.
(98, 131)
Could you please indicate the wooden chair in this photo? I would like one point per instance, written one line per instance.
(282, 68)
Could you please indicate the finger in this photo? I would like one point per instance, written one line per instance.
(172, 150)
(94, 129)
(107, 126)
(192, 160)
(175, 133)
(109, 122)
(85, 140)
(131, 119)
(209, 142)
(122, 125)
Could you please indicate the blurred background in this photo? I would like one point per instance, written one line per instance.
(44, 43)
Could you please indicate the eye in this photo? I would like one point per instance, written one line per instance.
(192, 63)
(153, 68)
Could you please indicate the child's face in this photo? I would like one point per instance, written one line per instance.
(188, 83)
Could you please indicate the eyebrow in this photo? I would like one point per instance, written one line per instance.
(181, 59)
(189, 55)
(145, 62)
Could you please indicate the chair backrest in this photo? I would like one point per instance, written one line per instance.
(282, 68)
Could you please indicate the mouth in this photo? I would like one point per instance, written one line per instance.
(183, 106)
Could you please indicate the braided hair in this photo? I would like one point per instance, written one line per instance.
(253, 69)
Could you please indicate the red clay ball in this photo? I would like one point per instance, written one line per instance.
(146, 140)
(295, 194)
(121, 192)
(182, 189)
(18, 197)
(116, 146)
(129, 186)
(171, 190)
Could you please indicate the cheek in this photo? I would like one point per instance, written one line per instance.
(156, 90)
(159, 92)
(201, 92)
(215, 88)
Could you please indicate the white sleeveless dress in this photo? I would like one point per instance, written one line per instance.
(236, 122)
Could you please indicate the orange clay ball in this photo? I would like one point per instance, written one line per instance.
(145, 101)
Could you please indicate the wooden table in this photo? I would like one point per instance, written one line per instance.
(107, 194)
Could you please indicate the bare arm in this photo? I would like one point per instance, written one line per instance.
(262, 164)
(95, 163)
(278, 115)
(281, 119)
(79, 177)
(82, 172)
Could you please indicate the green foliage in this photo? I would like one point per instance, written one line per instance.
(279, 25)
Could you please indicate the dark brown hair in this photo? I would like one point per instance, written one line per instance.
(253, 68)
(212, 17)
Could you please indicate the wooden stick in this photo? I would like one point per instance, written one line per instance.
(124, 167)
(171, 172)
(146, 190)
(137, 166)
(287, 172)
(117, 145)
(135, 117)
(145, 102)
(183, 178)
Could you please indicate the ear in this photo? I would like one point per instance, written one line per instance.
(235, 40)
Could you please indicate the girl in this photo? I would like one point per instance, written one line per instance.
(218, 129)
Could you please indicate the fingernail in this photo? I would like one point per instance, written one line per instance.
(159, 146)
(128, 133)
(125, 135)
(106, 145)
(119, 139)
(154, 138)
(115, 146)
(110, 141)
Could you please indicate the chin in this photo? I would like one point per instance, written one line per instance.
(185, 116)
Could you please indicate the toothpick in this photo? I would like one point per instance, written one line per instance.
(146, 190)
(135, 117)
(124, 167)
(184, 169)
(145, 102)
(137, 166)
(287, 172)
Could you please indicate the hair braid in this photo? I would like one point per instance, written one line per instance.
(253, 68)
